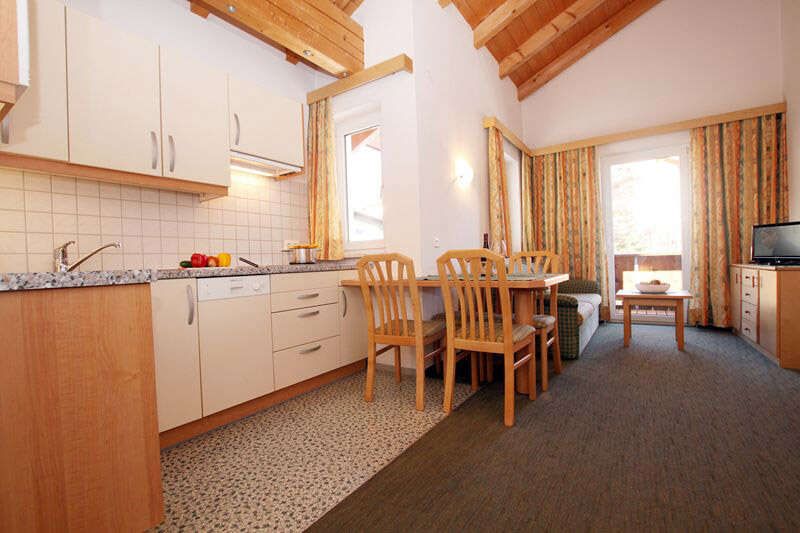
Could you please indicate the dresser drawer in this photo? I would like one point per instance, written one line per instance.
(304, 280)
(301, 326)
(750, 285)
(750, 294)
(749, 330)
(285, 301)
(306, 361)
(749, 312)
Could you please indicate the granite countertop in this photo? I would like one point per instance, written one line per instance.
(63, 280)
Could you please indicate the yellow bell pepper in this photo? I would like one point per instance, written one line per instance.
(224, 259)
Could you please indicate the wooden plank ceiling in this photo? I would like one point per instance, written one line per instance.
(534, 41)
(320, 33)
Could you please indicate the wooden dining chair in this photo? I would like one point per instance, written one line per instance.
(540, 262)
(484, 322)
(389, 281)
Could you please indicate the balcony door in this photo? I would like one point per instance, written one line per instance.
(647, 208)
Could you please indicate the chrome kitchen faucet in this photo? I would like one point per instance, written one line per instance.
(61, 256)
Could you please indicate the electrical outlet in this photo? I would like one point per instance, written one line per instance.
(436, 242)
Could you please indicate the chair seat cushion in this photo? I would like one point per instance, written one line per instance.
(429, 327)
(543, 321)
(591, 298)
(518, 332)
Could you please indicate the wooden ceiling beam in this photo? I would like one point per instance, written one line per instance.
(348, 6)
(401, 63)
(597, 37)
(317, 30)
(556, 27)
(497, 20)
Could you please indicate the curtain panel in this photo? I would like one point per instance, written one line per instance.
(528, 237)
(499, 226)
(324, 222)
(565, 214)
(739, 178)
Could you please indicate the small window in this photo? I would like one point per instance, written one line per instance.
(360, 177)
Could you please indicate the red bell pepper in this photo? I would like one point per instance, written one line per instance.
(199, 260)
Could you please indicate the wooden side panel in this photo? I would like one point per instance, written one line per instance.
(736, 298)
(768, 311)
(79, 444)
(789, 318)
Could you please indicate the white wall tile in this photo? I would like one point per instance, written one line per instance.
(63, 185)
(38, 222)
(88, 205)
(87, 188)
(36, 182)
(65, 203)
(11, 179)
(12, 220)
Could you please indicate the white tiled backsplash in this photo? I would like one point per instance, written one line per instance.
(157, 228)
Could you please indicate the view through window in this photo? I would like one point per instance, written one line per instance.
(364, 185)
(646, 205)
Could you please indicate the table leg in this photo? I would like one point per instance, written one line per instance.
(523, 311)
(679, 324)
(626, 314)
(556, 342)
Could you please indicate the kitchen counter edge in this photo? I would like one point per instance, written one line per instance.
(64, 280)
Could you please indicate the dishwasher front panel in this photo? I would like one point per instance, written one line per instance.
(235, 351)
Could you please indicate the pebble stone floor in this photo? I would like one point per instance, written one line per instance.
(283, 468)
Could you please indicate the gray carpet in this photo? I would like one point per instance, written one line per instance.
(644, 438)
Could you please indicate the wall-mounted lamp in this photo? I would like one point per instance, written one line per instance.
(464, 173)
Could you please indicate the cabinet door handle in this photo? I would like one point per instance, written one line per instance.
(310, 313)
(154, 144)
(307, 296)
(190, 299)
(4, 131)
(238, 128)
(344, 295)
(171, 153)
(312, 349)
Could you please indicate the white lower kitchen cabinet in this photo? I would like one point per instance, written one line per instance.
(177, 352)
(306, 361)
(352, 322)
(235, 341)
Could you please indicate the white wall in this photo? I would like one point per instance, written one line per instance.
(682, 59)
(790, 34)
(456, 87)
(217, 43)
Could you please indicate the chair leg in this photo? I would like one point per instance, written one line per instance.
(532, 370)
(420, 368)
(481, 367)
(489, 367)
(473, 369)
(508, 403)
(449, 377)
(398, 374)
(543, 355)
(370, 386)
(556, 355)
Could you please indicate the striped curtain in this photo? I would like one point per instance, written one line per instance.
(499, 226)
(739, 178)
(528, 238)
(567, 215)
(324, 222)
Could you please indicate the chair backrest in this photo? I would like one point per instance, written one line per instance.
(535, 262)
(387, 280)
(478, 280)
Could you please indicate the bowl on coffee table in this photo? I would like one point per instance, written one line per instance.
(653, 287)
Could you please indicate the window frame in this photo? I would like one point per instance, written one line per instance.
(345, 125)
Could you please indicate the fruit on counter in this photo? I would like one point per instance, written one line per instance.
(212, 261)
(199, 260)
(224, 259)
(186, 264)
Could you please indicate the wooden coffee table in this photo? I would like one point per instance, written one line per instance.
(672, 299)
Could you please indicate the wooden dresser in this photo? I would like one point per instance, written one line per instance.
(765, 310)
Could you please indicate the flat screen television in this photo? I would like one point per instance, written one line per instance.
(777, 243)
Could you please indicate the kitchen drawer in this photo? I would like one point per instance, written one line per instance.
(750, 285)
(300, 326)
(284, 301)
(749, 312)
(305, 361)
(749, 330)
(304, 280)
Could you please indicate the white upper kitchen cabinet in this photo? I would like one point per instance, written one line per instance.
(114, 101)
(264, 124)
(195, 120)
(37, 125)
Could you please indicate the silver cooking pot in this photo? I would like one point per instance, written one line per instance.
(302, 256)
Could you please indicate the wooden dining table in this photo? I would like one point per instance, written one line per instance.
(524, 288)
